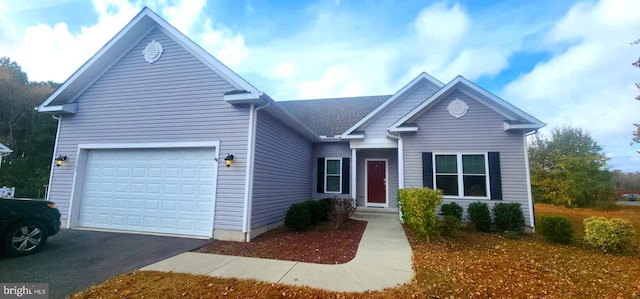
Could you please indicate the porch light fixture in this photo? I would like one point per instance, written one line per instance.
(228, 159)
(60, 159)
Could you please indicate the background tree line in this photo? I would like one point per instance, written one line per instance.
(569, 168)
(31, 135)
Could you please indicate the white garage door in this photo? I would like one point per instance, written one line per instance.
(150, 190)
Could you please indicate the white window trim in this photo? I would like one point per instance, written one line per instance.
(460, 174)
(326, 162)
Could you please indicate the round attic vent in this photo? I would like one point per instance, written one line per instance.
(457, 108)
(152, 51)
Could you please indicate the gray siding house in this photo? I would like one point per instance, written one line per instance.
(155, 135)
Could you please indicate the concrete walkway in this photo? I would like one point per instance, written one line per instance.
(383, 260)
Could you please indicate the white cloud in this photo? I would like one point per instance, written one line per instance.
(54, 52)
(440, 28)
(590, 83)
(475, 63)
(191, 19)
(283, 70)
(185, 14)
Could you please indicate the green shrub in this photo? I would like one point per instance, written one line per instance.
(298, 217)
(508, 217)
(314, 210)
(451, 209)
(480, 216)
(450, 226)
(556, 229)
(608, 234)
(325, 207)
(418, 207)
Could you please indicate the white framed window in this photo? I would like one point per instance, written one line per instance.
(333, 175)
(462, 175)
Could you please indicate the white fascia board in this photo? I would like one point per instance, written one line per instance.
(352, 136)
(392, 99)
(65, 108)
(243, 98)
(404, 129)
(508, 126)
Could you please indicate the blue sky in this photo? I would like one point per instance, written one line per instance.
(565, 62)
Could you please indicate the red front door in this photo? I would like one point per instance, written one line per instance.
(377, 182)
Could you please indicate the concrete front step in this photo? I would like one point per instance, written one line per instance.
(367, 213)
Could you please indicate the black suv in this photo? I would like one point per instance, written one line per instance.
(26, 224)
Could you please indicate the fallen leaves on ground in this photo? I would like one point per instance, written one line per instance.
(473, 265)
(320, 245)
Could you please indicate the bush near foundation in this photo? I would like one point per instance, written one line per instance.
(418, 206)
(315, 210)
(508, 217)
(480, 216)
(298, 217)
(341, 210)
(608, 234)
(556, 229)
(450, 226)
(451, 209)
(325, 207)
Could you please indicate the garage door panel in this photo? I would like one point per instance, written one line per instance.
(152, 190)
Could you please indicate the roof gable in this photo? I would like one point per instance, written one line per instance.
(514, 117)
(62, 100)
(423, 77)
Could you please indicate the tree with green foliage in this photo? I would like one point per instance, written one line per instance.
(31, 135)
(570, 169)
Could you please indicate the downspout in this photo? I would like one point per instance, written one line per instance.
(55, 148)
(400, 158)
(532, 219)
(400, 166)
(253, 122)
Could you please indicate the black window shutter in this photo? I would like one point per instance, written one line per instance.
(427, 170)
(495, 179)
(320, 178)
(346, 167)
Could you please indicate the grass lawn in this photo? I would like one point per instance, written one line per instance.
(474, 265)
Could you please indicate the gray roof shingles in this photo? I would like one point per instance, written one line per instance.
(330, 117)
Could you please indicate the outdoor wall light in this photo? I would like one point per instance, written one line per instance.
(60, 159)
(228, 159)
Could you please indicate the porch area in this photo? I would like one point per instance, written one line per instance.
(376, 177)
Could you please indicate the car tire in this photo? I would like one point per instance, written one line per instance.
(24, 238)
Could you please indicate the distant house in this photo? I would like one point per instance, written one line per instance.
(147, 123)
(4, 151)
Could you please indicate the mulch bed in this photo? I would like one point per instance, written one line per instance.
(320, 245)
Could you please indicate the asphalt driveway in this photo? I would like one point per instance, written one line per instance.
(74, 260)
